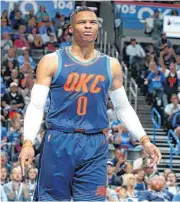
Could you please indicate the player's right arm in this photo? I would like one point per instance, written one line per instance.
(35, 110)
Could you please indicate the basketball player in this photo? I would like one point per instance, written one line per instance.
(75, 149)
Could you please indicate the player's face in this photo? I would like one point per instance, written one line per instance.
(85, 27)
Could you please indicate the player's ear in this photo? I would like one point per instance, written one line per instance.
(70, 29)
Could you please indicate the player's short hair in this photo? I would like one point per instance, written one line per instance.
(78, 10)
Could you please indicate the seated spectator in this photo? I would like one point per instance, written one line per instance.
(37, 43)
(5, 16)
(17, 21)
(166, 172)
(110, 193)
(21, 42)
(4, 175)
(6, 42)
(67, 41)
(32, 35)
(122, 193)
(156, 192)
(14, 75)
(167, 54)
(4, 161)
(134, 50)
(127, 170)
(30, 15)
(118, 161)
(15, 131)
(10, 56)
(47, 24)
(171, 183)
(171, 83)
(171, 109)
(56, 20)
(31, 24)
(52, 45)
(130, 181)
(2, 194)
(46, 36)
(12, 101)
(178, 64)
(25, 58)
(140, 177)
(124, 139)
(5, 28)
(112, 178)
(42, 13)
(31, 182)
(21, 30)
(163, 41)
(6, 72)
(16, 190)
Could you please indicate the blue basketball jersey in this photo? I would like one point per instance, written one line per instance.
(78, 93)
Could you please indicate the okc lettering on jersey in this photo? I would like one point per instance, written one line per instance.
(76, 82)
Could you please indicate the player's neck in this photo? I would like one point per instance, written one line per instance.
(83, 52)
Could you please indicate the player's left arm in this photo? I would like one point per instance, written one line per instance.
(126, 113)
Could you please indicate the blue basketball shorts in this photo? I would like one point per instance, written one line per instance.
(72, 166)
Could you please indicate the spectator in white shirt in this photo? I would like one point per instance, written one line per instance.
(134, 50)
(173, 107)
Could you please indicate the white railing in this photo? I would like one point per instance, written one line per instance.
(133, 93)
(125, 75)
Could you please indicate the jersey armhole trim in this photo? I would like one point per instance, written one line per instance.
(109, 72)
(59, 53)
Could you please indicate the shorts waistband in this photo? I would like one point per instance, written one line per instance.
(74, 130)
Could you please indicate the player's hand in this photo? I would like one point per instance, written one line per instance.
(153, 152)
(27, 154)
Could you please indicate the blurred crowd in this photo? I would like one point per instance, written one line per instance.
(25, 39)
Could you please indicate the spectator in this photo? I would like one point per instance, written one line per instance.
(32, 35)
(37, 43)
(12, 101)
(174, 12)
(140, 177)
(16, 190)
(30, 15)
(21, 30)
(157, 25)
(163, 41)
(171, 109)
(56, 20)
(118, 161)
(46, 36)
(167, 54)
(67, 41)
(31, 182)
(6, 42)
(130, 182)
(4, 175)
(17, 21)
(155, 82)
(14, 75)
(171, 83)
(47, 24)
(52, 45)
(112, 178)
(125, 139)
(122, 193)
(110, 194)
(166, 172)
(178, 64)
(4, 161)
(10, 56)
(156, 192)
(13, 12)
(6, 72)
(24, 58)
(14, 131)
(21, 42)
(42, 13)
(5, 16)
(171, 183)
(134, 50)
(31, 24)
(5, 28)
